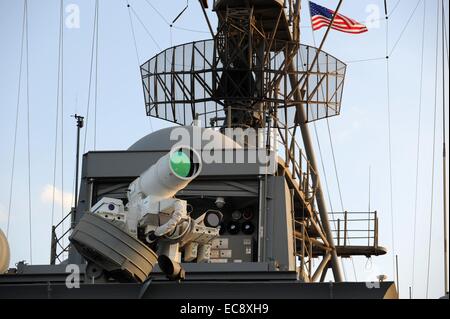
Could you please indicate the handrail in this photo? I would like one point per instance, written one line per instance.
(346, 232)
(57, 247)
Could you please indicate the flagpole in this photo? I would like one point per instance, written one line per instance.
(309, 149)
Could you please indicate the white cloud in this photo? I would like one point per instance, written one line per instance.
(49, 192)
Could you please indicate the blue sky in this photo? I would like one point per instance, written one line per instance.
(360, 133)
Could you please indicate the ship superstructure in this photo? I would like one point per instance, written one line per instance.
(229, 199)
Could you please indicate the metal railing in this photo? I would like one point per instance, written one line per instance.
(297, 163)
(355, 229)
(306, 249)
(60, 244)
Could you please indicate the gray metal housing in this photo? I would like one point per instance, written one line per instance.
(109, 172)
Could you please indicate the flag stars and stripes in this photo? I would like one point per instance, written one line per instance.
(322, 17)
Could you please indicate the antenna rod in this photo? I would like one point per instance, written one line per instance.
(74, 256)
(444, 157)
(80, 124)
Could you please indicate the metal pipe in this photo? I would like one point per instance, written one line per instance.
(396, 269)
(303, 236)
(321, 267)
(376, 231)
(53, 246)
(345, 229)
(339, 232)
(324, 272)
(444, 157)
(80, 124)
(307, 141)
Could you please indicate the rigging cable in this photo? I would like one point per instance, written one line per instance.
(434, 155)
(173, 26)
(163, 18)
(335, 166)
(90, 74)
(96, 76)
(133, 34)
(62, 139)
(324, 173)
(152, 38)
(339, 186)
(158, 12)
(30, 214)
(339, 189)
(19, 90)
(326, 186)
(145, 28)
(58, 90)
(388, 87)
(398, 40)
(393, 9)
(190, 30)
(444, 157)
(365, 60)
(445, 33)
(404, 28)
(418, 148)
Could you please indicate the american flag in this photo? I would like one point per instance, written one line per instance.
(322, 17)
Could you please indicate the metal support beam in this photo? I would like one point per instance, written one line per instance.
(324, 273)
(321, 267)
(204, 5)
(80, 125)
(307, 141)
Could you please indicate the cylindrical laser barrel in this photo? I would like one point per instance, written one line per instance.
(170, 174)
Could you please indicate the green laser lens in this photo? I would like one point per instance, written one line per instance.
(180, 163)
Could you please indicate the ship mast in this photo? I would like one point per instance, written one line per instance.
(254, 74)
(307, 141)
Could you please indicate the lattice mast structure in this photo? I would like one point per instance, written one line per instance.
(255, 73)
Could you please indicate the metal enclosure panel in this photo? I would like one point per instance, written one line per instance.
(204, 290)
(131, 164)
(236, 249)
(279, 243)
(127, 165)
